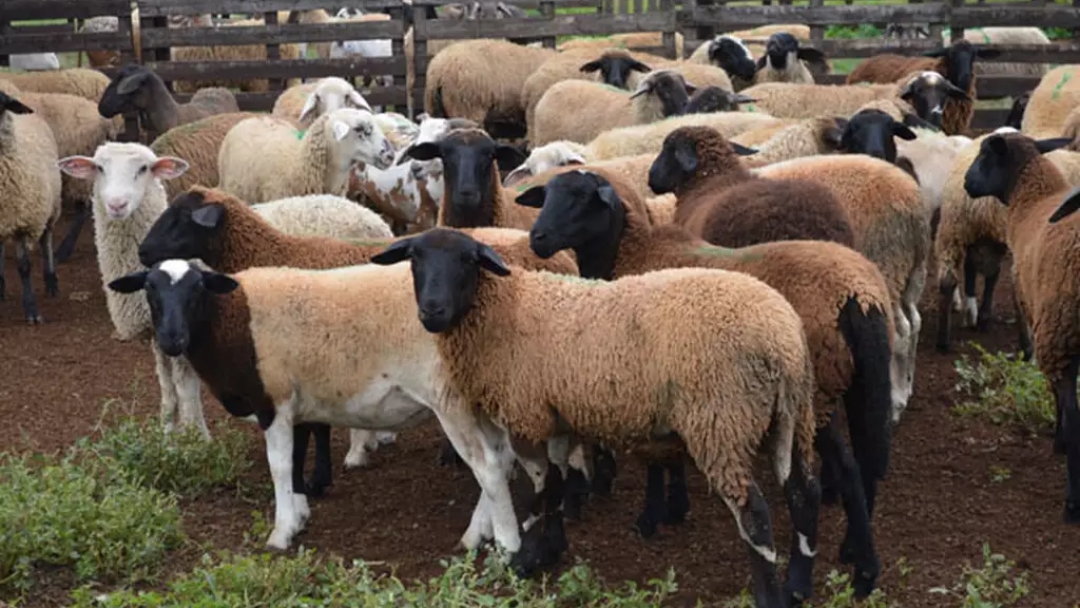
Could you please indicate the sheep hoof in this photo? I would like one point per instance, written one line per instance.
(541, 546)
(1072, 512)
(678, 506)
(278, 541)
(34, 318)
(52, 285)
(865, 581)
(647, 524)
(316, 488)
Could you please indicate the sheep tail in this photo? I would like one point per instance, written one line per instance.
(438, 109)
(869, 399)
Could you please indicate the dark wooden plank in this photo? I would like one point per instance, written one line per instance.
(27, 10)
(562, 25)
(264, 102)
(65, 28)
(63, 43)
(741, 17)
(988, 120)
(988, 15)
(162, 8)
(266, 34)
(283, 68)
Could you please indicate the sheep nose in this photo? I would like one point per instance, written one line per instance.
(432, 309)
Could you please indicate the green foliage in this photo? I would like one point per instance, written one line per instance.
(1004, 390)
(304, 579)
(863, 30)
(992, 586)
(67, 514)
(181, 463)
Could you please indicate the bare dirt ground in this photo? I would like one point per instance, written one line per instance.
(936, 509)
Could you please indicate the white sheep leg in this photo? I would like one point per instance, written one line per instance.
(169, 398)
(188, 386)
(916, 326)
(290, 510)
(898, 365)
(480, 525)
(360, 441)
(971, 312)
(957, 300)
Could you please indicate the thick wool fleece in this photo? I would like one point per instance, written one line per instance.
(29, 179)
(198, 143)
(809, 137)
(580, 110)
(1057, 94)
(649, 139)
(787, 100)
(323, 215)
(81, 82)
(628, 374)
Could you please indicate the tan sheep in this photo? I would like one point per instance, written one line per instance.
(198, 143)
(1057, 94)
(250, 52)
(808, 137)
(643, 139)
(81, 82)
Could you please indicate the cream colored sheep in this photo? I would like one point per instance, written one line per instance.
(642, 139)
(1056, 95)
(306, 102)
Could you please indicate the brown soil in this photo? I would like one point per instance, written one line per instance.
(936, 509)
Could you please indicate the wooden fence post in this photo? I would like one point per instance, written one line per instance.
(420, 60)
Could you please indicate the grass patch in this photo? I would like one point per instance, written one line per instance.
(1004, 390)
(992, 586)
(306, 579)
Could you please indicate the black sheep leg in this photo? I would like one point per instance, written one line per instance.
(3, 286)
(1069, 431)
(29, 302)
(803, 497)
(544, 542)
(830, 478)
(52, 284)
(655, 510)
(322, 475)
(301, 434)
(678, 498)
(755, 528)
(67, 246)
(946, 288)
(986, 306)
(604, 470)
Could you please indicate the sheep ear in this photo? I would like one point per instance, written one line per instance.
(358, 101)
(900, 130)
(690, 89)
(637, 66)
(490, 261)
(1069, 206)
(740, 149)
(397, 252)
(998, 145)
(740, 98)
(761, 62)
(130, 84)
(309, 106)
(169, 167)
(811, 55)
(508, 157)
(340, 130)
(607, 194)
(1049, 145)
(517, 175)
(208, 216)
(955, 91)
(592, 66)
(81, 167)
(13, 105)
(533, 197)
(936, 52)
(129, 283)
(218, 283)
(428, 150)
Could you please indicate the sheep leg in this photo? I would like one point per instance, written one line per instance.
(898, 365)
(1064, 399)
(301, 436)
(946, 291)
(755, 528)
(970, 303)
(322, 476)
(604, 470)
(187, 392)
(803, 501)
(985, 308)
(678, 498)
(542, 545)
(67, 246)
(360, 441)
(169, 400)
(1022, 328)
(52, 284)
(2, 285)
(655, 510)
(290, 508)
(574, 482)
(22, 256)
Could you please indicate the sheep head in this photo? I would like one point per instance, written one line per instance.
(615, 67)
(731, 55)
(871, 132)
(1002, 159)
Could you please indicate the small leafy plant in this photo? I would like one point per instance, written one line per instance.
(1005, 390)
(992, 586)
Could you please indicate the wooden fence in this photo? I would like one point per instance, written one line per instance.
(22, 31)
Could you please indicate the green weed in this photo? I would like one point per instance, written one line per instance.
(1004, 390)
(992, 586)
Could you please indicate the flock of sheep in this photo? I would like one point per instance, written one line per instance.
(704, 257)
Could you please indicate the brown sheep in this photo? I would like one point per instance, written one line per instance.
(722, 202)
(138, 89)
(1042, 234)
(840, 296)
(955, 62)
(198, 143)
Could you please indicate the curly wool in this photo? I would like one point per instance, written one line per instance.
(649, 139)
(1056, 95)
(323, 215)
(29, 180)
(81, 82)
(198, 143)
(808, 137)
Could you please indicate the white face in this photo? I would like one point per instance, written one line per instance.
(358, 139)
(331, 95)
(123, 174)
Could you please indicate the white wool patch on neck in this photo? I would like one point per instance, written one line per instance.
(176, 269)
(931, 77)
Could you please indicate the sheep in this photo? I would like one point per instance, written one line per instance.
(598, 108)
(323, 215)
(138, 89)
(30, 198)
(715, 99)
(724, 203)
(1050, 103)
(642, 139)
(729, 54)
(77, 129)
(527, 398)
(634, 40)
(81, 82)
(249, 52)
(925, 91)
(1041, 234)
(458, 83)
(34, 62)
(955, 62)
(395, 193)
(544, 158)
(265, 158)
(198, 143)
(1015, 118)
(785, 61)
(892, 229)
(236, 237)
(808, 137)
(306, 102)
(696, 73)
(829, 285)
(1007, 35)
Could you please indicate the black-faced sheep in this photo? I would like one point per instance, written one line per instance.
(138, 89)
(715, 99)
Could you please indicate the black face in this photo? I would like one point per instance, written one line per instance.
(715, 99)
(928, 98)
(615, 70)
(732, 58)
(675, 165)
(468, 159)
(996, 169)
(184, 231)
(10, 104)
(960, 61)
(1016, 113)
(176, 301)
(446, 267)
(125, 92)
(577, 209)
(871, 132)
(777, 48)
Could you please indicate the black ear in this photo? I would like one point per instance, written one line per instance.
(811, 55)
(592, 66)
(218, 283)
(607, 194)
(508, 157)
(131, 83)
(900, 130)
(638, 66)
(1049, 145)
(956, 92)
(761, 62)
(491, 261)
(13, 105)
(936, 52)
(742, 150)
(208, 216)
(396, 252)
(533, 197)
(1067, 207)
(426, 151)
(998, 145)
(913, 120)
(985, 53)
(129, 283)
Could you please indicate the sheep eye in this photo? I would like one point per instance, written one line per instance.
(143, 169)
(100, 169)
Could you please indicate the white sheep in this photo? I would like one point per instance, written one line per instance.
(32, 62)
(308, 101)
(266, 158)
(324, 215)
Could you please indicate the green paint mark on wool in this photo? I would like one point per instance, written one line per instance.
(369, 242)
(725, 252)
(1065, 77)
(571, 278)
(749, 108)
(300, 134)
(986, 37)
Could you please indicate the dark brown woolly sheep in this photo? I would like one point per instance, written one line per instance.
(723, 202)
(841, 297)
(1042, 234)
(955, 62)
